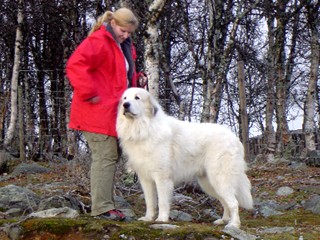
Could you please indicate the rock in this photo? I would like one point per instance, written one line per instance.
(13, 233)
(178, 198)
(25, 168)
(211, 213)
(297, 165)
(238, 233)
(7, 160)
(124, 207)
(313, 158)
(21, 199)
(14, 212)
(267, 211)
(130, 215)
(64, 212)
(180, 216)
(60, 202)
(120, 202)
(284, 191)
(311, 189)
(313, 204)
(267, 208)
(164, 226)
(275, 230)
(3, 215)
(3, 161)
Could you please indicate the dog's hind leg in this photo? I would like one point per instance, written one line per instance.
(226, 214)
(150, 195)
(226, 197)
(207, 188)
(231, 209)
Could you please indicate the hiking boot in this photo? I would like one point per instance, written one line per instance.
(114, 214)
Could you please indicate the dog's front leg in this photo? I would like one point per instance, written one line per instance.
(165, 191)
(149, 190)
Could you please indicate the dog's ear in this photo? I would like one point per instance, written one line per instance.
(154, 105)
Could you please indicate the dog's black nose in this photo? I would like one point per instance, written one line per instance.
(126, 105)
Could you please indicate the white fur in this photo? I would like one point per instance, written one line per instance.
(164, 151)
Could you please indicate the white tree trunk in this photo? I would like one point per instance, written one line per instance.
(270, 136)
(310, 103)
(151, 54)
(15, 76)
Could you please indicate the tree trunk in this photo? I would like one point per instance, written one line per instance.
(243, 109)
(283, 137)
(220, 48)
(216, 42)
(270, 138)
(30, 117)
(15, 77)
(68, 46)
(152, 47)
(21, 126)
(310, 102)
(44, 120)
(3, 108)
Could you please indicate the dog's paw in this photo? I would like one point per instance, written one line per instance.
(219, 222)
(233, 225)
(162, 219)
(145, 219)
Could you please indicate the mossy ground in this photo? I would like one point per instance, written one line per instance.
(265, 181)
(305, 224)
(85, 228)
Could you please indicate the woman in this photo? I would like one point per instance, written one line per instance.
(100, 70)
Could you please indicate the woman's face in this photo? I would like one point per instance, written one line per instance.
(121, 33)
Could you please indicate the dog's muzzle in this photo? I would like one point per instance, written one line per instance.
(126, 109)
(126, 105)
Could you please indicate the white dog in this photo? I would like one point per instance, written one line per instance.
(164, 151)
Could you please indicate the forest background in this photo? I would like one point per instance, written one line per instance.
(251, 65)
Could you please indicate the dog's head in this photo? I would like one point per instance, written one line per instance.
(137, 102)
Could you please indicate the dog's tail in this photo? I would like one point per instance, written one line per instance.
(243, 194)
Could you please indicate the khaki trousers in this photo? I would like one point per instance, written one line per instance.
(104, 154)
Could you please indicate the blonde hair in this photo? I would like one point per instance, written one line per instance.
(122, 17)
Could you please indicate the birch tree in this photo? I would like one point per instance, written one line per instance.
(281, 80)
(220, 49)
(270, 103)
(284, 63)
(310, 101)
(243, 109)
(151, 54)
(15, 76)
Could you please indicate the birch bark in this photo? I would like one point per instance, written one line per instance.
(15, 76)
(310, 102)
(151, 54)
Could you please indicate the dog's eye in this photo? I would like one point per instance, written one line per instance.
(137, 98)
(125, 98)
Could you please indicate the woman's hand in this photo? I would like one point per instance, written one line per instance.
(143, 80)
(94, 100)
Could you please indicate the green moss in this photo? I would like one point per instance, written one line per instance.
(52, 225)
(56, 227)
(302, 221)
(6, 221)
(142, 230)
(305, 224)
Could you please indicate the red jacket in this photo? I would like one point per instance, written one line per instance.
(97, 68)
